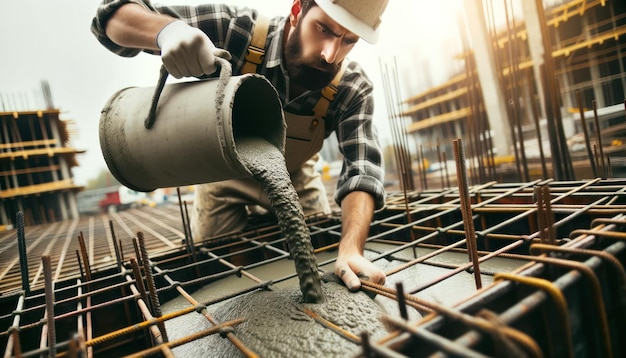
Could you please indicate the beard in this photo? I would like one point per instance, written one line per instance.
(311, 73)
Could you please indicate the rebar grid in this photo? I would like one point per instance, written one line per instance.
(551, 257)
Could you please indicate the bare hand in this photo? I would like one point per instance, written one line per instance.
(352, 267)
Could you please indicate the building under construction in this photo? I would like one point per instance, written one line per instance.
(36, 167)
(517, 250)
(536, 86)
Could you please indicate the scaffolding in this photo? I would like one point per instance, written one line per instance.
(35, 168)
(532, 103)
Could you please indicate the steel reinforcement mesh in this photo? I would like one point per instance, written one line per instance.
(542, 275)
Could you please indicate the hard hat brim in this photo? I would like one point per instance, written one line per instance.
(348, 21)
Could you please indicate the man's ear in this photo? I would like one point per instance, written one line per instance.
(296, 8)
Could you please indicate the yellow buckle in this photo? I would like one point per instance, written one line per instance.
(329, 92)
(255, 55)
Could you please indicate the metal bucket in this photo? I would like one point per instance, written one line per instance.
(193, 138)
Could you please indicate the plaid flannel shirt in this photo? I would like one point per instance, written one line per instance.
(350, 114)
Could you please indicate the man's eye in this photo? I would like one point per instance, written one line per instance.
(321, 29)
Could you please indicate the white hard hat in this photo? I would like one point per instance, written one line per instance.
(361, 17)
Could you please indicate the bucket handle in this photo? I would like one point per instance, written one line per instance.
(221, 58)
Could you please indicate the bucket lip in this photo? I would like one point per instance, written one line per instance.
(229, 98)
(283, 127)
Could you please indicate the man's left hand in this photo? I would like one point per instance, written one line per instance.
(350, 268)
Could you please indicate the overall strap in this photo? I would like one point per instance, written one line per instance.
(256, 50)
(328, 95)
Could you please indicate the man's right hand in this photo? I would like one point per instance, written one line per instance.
(185, 50)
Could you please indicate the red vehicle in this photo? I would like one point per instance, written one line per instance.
(109, 199)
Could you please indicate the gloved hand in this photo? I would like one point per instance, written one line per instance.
(186, 51)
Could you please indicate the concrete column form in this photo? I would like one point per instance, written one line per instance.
(55, 133)
(4, 219)
(495, 104)
(65, 171)
(71, 200)
(61, 197)
(594, 70)
(535, 45)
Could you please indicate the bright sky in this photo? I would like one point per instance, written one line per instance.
(51, 40)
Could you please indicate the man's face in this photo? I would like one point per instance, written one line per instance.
(315, 48)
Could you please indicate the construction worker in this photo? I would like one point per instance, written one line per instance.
(300, 54)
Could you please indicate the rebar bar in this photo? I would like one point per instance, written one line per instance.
(466, 210)
(21, 242)
(51, 329)
(147, 270)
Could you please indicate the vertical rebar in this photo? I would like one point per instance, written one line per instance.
(137, 252)
(121, 249)
(116, 248)
(13, 342)
(17, 347)
(466, 210)
(583, 123)
(423, 166)
(83, 251)
(547, 199)
(194, 257)
(561, 159)
(440, 159)
(77, 342)
(365, 343)
(154, 297)
(401, 131)
(21, 247)
(80, 266)
(401, 301)
(445, 167)
(184, 222)
(49, 293)
(599, 139)
(139, 280)
(400, 145)
(545, 218)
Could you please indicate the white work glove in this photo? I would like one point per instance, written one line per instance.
(186, 51)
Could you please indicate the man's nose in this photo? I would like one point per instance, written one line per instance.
(330, 50)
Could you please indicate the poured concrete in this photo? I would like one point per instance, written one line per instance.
(286, 326)
(277, 326)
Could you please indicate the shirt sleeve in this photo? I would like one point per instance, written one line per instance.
(228, 27)
(358, 140)
(105, 10)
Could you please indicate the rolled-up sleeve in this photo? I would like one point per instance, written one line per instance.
(98, 25)
(358, 142)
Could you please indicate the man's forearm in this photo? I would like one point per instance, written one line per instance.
(134, 26)
(357, 210)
